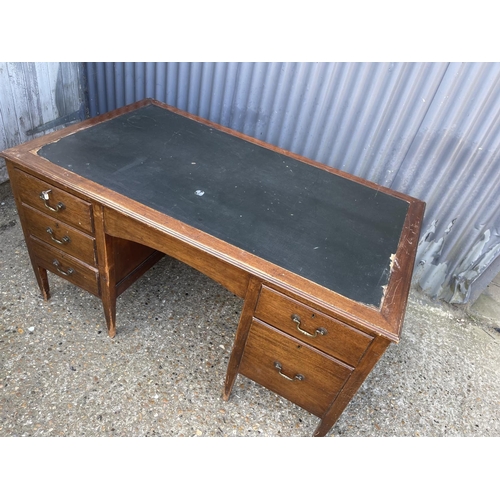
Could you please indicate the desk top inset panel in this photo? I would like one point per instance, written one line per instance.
(331, 230)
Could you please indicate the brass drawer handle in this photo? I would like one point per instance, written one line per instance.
(65, 273)
(45, 195)
(65, 240)
(278, 367)
(319, 331)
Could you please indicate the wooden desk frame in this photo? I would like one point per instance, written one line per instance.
(130, 237)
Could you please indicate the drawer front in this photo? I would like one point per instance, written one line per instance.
(60, 235)
(65, 266)
(321, 331)
(58, 204)
(272, 358)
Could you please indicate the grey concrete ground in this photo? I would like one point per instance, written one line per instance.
(163, 374)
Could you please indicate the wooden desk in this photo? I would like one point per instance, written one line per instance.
(323, 259)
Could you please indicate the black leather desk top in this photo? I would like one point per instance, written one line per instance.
(330, 230)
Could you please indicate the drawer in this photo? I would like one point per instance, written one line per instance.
(77, 272)
(60, 205)
(291, 369)
(328, 335)
(60, 235)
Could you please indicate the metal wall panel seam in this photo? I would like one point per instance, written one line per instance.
(160, 82)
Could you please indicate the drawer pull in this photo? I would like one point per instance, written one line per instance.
(65, 273)
(319, 331)
(278, 367)
(65, 240)
(44, 195)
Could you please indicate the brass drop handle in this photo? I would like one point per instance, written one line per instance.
(45, 195)
(278, 367)
(319, 331)
(65, 239)
(65, 273)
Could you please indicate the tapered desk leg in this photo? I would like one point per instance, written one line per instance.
(369, 360)
(108, 297)
(107, 278)
(251, 297)
(42, 280)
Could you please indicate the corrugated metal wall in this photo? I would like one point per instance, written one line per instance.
(454, 165)
(431, 130)
(36, 98)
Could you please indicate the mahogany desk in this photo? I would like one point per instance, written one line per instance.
(322, 259)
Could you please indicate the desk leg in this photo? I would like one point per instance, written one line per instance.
(369, 360)
(107, 278)
(251, 297)
(108, 297)
(42, 280)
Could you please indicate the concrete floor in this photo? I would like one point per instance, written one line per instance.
(163, 374)
(487, 307)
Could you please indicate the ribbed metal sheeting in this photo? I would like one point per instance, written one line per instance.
(431, 130)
